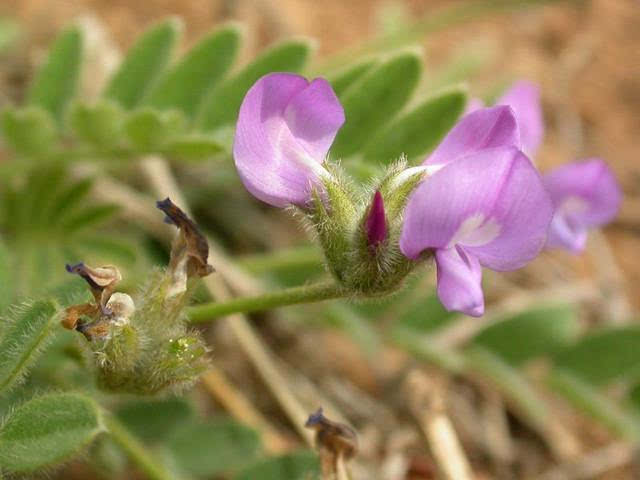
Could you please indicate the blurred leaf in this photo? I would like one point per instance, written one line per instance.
(107, 460)
(343, 79)
(421, 347)
(192, 148)
(47, 430)
(67, 199)
(301, 465)
(55, 83)
(28, 131)
(374, 100)
(155, 420)
(25, 331)
(89, 217)
(419, 130)
(99, 125)
(221, 106)
(185, 85)
(150, 130)
(108, 250)
(588, 399)
(424, 314)
(144, 63)
(6, 292)
(214, 447)
(529, 334)
(603, 356)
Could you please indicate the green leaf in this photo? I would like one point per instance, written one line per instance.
(144, 63)
(68, 199)
(28, 131)
(89, 217)
(186, 84)
(25, 332)
(419, 130)
(55, 83)
(6, 292)
(192, 148)
(421, 347)
(155, 420)
(221, 106)
(530, 334)
(375, 100)
(215, 447)
(99, 125)
(150, 130)
(47, 430)
(301, 465)
(424, 314)
(604, 356)
(588, 399)
(343, 79)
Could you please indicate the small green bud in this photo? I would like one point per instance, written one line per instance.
(360, 234)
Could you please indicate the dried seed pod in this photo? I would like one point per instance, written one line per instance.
(334, 441)
(189, 250)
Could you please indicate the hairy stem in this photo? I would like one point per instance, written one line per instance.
(135, 450)
(290, 296)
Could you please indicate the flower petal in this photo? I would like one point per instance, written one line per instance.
(483, 128)
(459, 281)
(524, 98)
(492, 203)
(585, 194)
(285, 128)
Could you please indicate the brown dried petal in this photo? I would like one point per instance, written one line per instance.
(191, 241)
(101, 280)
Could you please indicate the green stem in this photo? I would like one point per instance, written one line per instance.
(290, 296)
(135, 450)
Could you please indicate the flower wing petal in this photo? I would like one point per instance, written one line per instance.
(483, 128)
(524, 98)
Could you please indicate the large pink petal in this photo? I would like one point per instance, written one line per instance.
(524, 98)
(285, 128)
(492, 203)
(481, 129)
(459, 281)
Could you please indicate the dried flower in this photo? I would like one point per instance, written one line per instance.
(335, 441)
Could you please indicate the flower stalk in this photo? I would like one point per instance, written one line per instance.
(290, 296)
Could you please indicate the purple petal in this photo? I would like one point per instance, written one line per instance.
(524, 98)
(285, 128)
(459, 281)
(484, 128)
(376, 223)
(585, 194)
(492, 203)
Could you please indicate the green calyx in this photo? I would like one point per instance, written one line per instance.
(339, 217)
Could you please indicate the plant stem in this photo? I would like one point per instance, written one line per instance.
(135, 450)
(290, 296)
